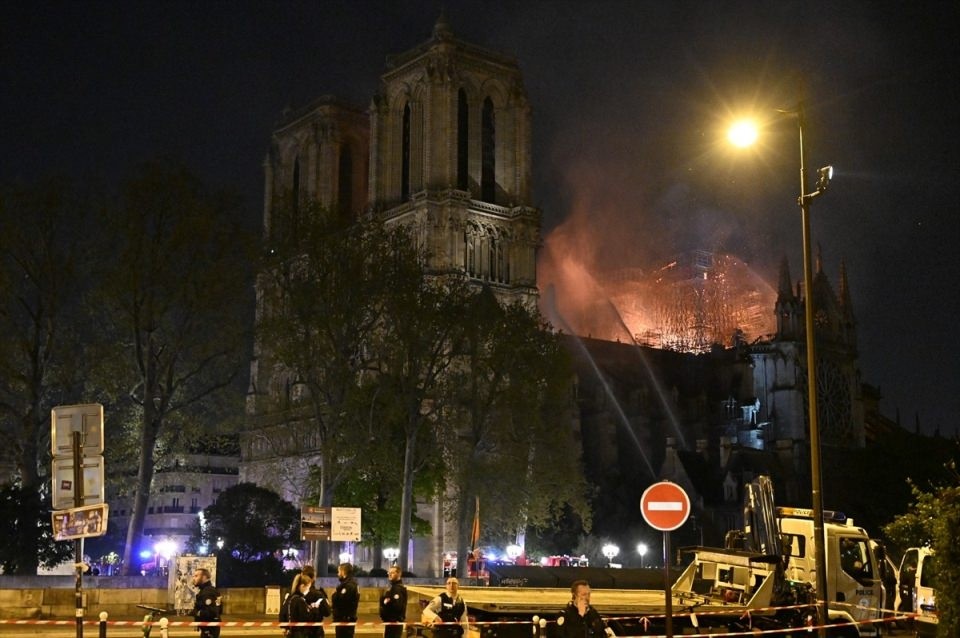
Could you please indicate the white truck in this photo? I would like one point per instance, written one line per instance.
(855, 563)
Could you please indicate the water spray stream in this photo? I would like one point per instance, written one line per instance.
(563, 325)
(661, 394)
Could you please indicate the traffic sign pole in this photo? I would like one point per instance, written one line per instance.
(665, 507)
(78, 542)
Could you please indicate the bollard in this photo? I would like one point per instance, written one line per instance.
(103, 624)
(536, 627)
(163, 627)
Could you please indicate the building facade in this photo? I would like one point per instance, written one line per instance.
(443, 150)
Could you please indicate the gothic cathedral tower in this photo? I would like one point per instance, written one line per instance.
(450, 158)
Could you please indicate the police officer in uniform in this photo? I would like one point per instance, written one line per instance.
(447, 613)
(208, 604)
(393, 604)
(345, 600)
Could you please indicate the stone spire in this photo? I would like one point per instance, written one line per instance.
(442, 29)
(785, 286)
(846, 304)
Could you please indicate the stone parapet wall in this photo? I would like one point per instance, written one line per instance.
(55, 597)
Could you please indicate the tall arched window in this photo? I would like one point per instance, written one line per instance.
(405, 155)
(488, 184)
(345, 183)
(463, 135)
(295, 187)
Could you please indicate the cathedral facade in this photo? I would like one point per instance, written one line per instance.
(443, 150)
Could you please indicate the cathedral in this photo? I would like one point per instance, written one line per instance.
(444, 148)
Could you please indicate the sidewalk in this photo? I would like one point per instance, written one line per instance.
(249, 625)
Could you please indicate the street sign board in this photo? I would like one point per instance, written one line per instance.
(85, 419)
(665, 506)
(64, 487)
(80, 522)
(315, 523)
(329, 523)
(346, 524)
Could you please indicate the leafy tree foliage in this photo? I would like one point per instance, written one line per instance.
(255, 525)
(18, 524)
(172, 305)
(934, 520)
(508, 416)
(421, 341)
(40, 230)
(322, 321)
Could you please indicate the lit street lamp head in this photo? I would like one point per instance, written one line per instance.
(743, 133)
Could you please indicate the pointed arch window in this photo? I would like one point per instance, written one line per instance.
(405, 154)
(345, 183)
(295, 187)
(488, 184)
(463, 136)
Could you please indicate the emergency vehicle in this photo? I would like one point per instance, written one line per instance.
(915, 591)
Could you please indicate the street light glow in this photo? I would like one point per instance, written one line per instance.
(743, 133)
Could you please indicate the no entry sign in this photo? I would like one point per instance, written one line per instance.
(665, 506)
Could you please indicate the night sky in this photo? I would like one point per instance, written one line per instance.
(629, 99)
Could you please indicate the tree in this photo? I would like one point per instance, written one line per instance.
(40, 230)
(934, 520)
(508, 423)
(172, 301)
(321, 323)
(255, 525)
(422, 339)
(49, 553)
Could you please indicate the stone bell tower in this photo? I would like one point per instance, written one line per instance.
(450, 157)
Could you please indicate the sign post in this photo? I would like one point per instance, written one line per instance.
(665, 506)
(76, 442)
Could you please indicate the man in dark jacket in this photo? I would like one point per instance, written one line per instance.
(393, 604)
(208, 604)
(345, 600)
(579, 619)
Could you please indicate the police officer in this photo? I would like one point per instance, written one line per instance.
(208, 604)
(447, 613)
(579, 619)
(393, 604)
(345, 600)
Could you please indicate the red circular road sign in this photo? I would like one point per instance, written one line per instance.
(665, 506)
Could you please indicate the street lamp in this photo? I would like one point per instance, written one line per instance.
(391, 554)
(610, 551)
(642, 550)
(740, 135)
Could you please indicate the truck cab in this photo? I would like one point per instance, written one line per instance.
(854, 575)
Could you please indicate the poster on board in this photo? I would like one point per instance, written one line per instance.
(181, 592)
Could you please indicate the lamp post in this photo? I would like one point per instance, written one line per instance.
(742, 135)
(816, 493)
(642, 550)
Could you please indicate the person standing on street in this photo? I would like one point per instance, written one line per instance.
(446, 614)
(208, 604)
(317, 599)
(393, 604)
(579, 619)
(345, 600)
